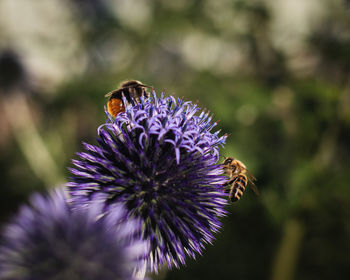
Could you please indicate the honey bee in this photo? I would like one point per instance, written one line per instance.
(238, 178)
(132, 90)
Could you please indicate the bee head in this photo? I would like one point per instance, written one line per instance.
(228, 160)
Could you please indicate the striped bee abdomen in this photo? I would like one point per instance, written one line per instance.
(238, 187)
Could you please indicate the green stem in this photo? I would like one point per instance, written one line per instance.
(29, 140)
(285, 262)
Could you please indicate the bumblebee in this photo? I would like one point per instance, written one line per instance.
(238, 178)
(132, 90)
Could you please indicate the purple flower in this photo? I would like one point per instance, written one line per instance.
(51, 241)
(159, 160)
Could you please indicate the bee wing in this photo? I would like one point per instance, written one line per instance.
(251, 179)
(113, 92)
(254, 188)
(142, 85)
(138, 85)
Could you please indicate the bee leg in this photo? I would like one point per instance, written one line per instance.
(233, 198)
(228, 185)
(230, 182)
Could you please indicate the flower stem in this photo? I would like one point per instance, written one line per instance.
(285, 262)
(29, 140)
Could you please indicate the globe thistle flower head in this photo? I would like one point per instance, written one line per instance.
(51, 241)
(158, 158)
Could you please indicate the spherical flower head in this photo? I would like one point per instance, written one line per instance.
(158, 158)
(51, 241)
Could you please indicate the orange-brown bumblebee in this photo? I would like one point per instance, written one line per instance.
(238, 178)
(132, 90)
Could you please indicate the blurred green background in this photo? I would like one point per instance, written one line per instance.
(275, 72)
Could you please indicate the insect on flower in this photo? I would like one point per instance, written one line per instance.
(132, 90)
(239, 176)
(159, 159)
